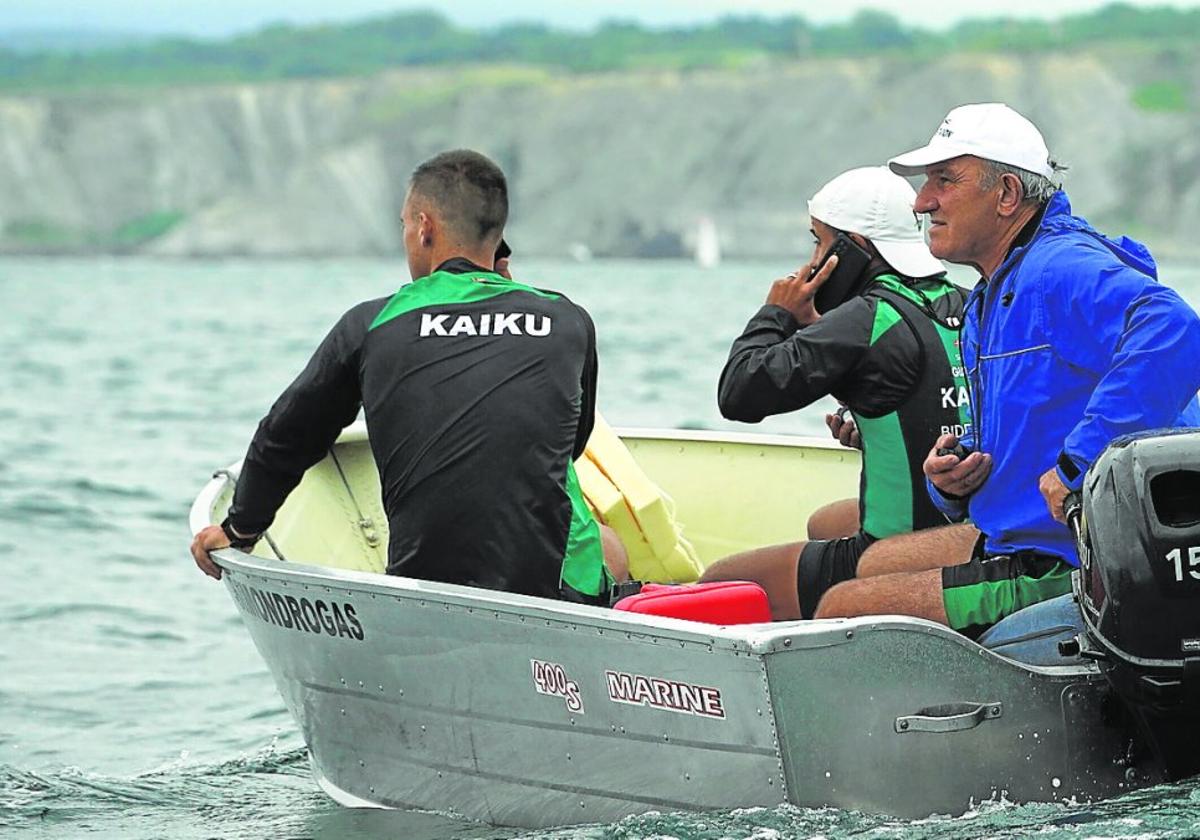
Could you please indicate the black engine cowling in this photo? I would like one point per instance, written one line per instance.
(1139, 585)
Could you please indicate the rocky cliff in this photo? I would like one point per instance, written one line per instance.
(622, 165)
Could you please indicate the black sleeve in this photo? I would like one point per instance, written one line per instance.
(302, 424)
(587, 404)
(774, 366)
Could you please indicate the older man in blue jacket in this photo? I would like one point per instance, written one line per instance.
(1069, 342)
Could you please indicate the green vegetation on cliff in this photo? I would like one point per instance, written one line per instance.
(41, 235)
(427, 39)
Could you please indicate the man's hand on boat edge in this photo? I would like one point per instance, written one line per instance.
(207, 540)
(956, 477)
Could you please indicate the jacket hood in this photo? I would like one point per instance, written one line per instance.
(1129, 251)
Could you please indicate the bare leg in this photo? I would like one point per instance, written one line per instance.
(773, 568)
(836, 519)
(907, 593)
(616, 558)
(932, 548)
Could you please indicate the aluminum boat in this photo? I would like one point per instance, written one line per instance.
(522, 711)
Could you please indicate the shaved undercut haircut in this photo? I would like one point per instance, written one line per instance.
(468, 191)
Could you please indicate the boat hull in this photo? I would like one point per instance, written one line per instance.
(516, 711)
(529, 712)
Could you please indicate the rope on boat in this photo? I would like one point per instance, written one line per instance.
(365, 523)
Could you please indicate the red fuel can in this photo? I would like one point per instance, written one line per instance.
(720, 602)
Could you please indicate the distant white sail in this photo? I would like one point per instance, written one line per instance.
(708, 243)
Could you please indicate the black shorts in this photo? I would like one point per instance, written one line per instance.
(574, 596)
(989, 587)
(822, 563)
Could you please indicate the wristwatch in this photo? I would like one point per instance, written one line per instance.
(237, 540)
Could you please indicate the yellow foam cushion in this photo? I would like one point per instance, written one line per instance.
(643, 516)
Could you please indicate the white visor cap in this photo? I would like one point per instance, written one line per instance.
(877, 204)
(988, 130)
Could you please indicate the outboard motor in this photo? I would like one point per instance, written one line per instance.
(1139, 585)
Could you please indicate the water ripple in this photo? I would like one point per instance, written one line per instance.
(134, 657)
(45, 612)
(103, 489)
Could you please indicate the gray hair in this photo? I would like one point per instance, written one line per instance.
(1035, 187)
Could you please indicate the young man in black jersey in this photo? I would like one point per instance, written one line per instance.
(876, 327)
(479, 393)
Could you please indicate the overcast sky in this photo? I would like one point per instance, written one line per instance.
(221, 17)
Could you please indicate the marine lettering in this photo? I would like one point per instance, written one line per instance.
(690, 696)
(313, 616)
(670, 695)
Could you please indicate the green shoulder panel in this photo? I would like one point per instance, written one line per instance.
(887, 317)
(583, 566)
(446, 287)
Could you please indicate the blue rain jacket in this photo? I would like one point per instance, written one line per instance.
(1073, 343)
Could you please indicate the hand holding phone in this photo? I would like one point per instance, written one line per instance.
(796, 291)
(500, 260)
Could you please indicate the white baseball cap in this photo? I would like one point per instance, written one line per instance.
(988, 130)
(874, 203)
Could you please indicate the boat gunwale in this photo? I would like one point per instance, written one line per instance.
(356, 432)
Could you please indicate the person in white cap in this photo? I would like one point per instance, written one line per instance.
(872, 320)
(1069, 341)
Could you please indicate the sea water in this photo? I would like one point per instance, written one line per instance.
(132, 701)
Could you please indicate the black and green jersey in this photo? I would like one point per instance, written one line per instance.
(479, 393)
(891, 355)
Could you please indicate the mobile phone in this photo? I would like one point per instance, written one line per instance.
(958, 450)
(846, 278)
(502, 251)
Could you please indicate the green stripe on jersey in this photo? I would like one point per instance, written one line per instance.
(446, 287)
(887, 494)
(583, 566)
